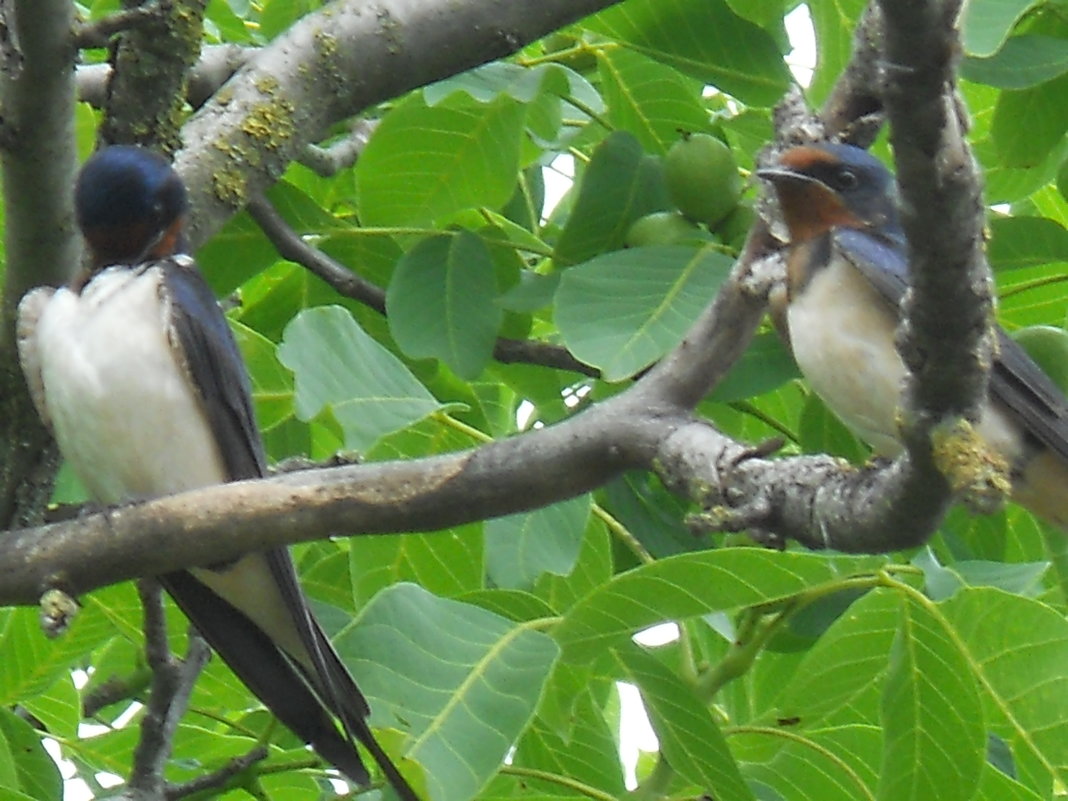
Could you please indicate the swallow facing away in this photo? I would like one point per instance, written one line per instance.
(847, 272)
(135, 370)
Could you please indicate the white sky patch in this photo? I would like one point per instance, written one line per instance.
(635, 733)
(802, 59)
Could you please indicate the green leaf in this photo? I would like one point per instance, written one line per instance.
(839, 680)
(462, 682)
(649, 99)
(521, 547)
(586, 752)
(216, 258)
(441, 302)
(620, 185)
(687, 585)
(702, 38)
(446, 563)
(424, 163)
(489, 81)
(766, 365)
(833, 22)
(25, 767)
(622, 311)
(338, 366)
(1026, 242)
(1046, 113)
(272, 384)
(836, 764)
(820, 431)
(689, 738)
(934, 733)
(1023, 62)
(1019, 647)
(985, 24)
(32, 662)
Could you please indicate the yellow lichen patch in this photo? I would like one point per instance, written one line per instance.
(975, 472)
(229, 186)
(326, 43)
(270, 124)
(267, 84)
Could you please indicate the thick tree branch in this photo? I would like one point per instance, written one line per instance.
(947, 337)
(291, 91)
(38, 162)
(147, 87)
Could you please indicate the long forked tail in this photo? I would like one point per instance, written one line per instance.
(295, 696)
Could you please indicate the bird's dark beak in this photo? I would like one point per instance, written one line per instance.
(809, 207)
(778, 175)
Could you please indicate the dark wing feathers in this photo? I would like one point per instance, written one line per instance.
(1030, 394)
(214, 364)
(1016, 381)
(218, 372)
(264, 670)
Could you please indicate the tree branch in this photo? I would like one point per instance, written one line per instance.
(99, 33)
(344, 281)
(146, 91)
(288, 93)
(38, 163)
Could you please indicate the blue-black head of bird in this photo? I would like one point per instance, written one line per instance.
(130, 205)
(825, 186)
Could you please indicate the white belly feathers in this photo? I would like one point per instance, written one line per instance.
(125, 415)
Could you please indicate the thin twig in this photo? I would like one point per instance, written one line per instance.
(217, 778)
(291, 246)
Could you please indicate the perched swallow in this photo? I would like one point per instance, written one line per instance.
(134, 368)
(847, 272)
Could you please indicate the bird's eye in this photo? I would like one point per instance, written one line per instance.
(845, 179)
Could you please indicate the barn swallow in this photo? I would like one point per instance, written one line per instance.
(137, 373)
(847, 273)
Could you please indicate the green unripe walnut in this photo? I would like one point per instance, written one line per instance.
(702, 178)
(663, 228)
(1048, 346)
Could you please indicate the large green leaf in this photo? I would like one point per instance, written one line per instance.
(933, 728)
(985, 24)
(650, 100)
(833, 21)
(620, 185)
(33, 662)
(687, 585)
(689, 738)
(338, 366)
(1018, 648)
(426, 162)
(839, 680)
(462, 682)
(766, 364)
(837, 764)
(623, 310)
(1024, 61)
(25, 767)
(1046, 113)
(441, 302)
(446, 562)
(586, 752)
(703, 38)
(1025, 242)
(521, 547)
